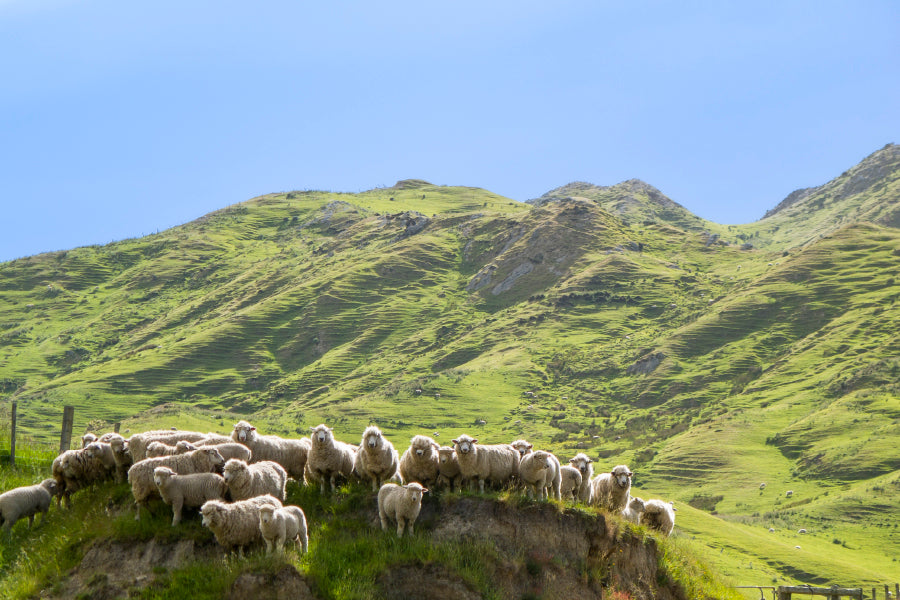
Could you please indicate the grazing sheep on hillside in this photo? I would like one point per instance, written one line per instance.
(449, 475)
(190, 490)
(277, 525)
(376, 460)
(570, 483)
(290, 453)
(140, 475)
(73, 470)
(329, 459)
(235, 525)
(121, 455)
(497, 463)
(247, 481)
(658, 515)
(610, 490)
(26, 501)
(540, 472)
(420, 461)
(634, 509)
(138, 443)
(400, 503)
(102, 458)
(585, 466)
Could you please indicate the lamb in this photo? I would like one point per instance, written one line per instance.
(187, 490)
(540, 473)
(633, 510)
(658, 515)
(26, 501)
(449, 475)
(420, 461)
(401, 503)
(329, 459)
(156, 449)
(138, 442)
(247, 481)
(121, 455)
(497, 463)
(277, 525)
(585, 465)
(376, 460)
(610, 490)
(290, 453)
(570, 483)
(235, 525)
(140, 475)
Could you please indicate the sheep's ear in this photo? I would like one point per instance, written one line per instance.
(424, 490)
(253, 429)
(572, 461)
(312, 428)
(436, 446)
(474, 441)
(590, 460)
(631, 474)
(329, 429)
(455, 441)
(530, 446)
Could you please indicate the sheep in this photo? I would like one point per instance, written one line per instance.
(102, 458)
(401, 503)
(138, 443)
(290, 453)
(376, 459)
(140, 475)
(634, 509)
(187, 490)
(610, 490)
(449, 475)
(585, 465)
(420, 461)
(522, 447)
(26, 501)
(156, 449)
(277, 525)
(230, 450)
(88, 438)
(762, 486)
(235, 525)
(658, 515)
(540, 472)
(801, 531)
(789, 493)
(73, 470)
(213, 439)
(121, 455)
(246, 481)
(497, 463)
(328, 458)
(570, 482)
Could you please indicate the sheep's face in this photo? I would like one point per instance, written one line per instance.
(522, 447)
(182, 447)
(212, 513)
(622, 476)
(372, 438)
(155, 449)
(51, 486)
(465, 444)
(636, 504)
(321, 434)
(446, 454)
(232, 469)
(243, 432)
(87, 439)
(161, 475)
(266, 514)
(423, 447)
(415, 490)
(542, 460)
(581, 462)
(212, 455)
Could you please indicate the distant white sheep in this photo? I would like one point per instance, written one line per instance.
(494, 463)
(449, 475)
(258, 479)
(400, 503)
(190, 491)
(235, 525)
(585, 466)
(570, 482)
(789, 493)
(277, 525)
(540, 472)
(140, 475)
(658, 515)
(634, 509)
(329, 459)
(420, 461)
(376, 460)
(138, 443)
(610, 490)
(290, 453)
(26, 501)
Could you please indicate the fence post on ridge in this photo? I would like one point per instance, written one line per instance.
(65, 440)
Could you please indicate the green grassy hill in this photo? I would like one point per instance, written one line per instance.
(710, 358)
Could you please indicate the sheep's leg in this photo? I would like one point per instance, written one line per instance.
(411, 527)
(176, 511)
(400, 526)
(481, 485)
(384, 522)
(268, 546)
(30, 520)
(304, 543)
(137, 514)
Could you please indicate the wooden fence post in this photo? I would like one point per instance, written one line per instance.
(116, 427)
(12, 440)
(65, 440)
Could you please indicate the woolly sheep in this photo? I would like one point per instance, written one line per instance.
(235, 525)
(522, 447)
(497, 463)
(329, 459)
(376, 460)
(156, 449)
(610, 490)
(26, 501)
(121, 455)
(138, 443)
(540, 472)
(187, 490)
(102, 459)
(400, 503)
(277, 525)
(634, 509)
(570, 482)
(74, 470)
(247, 481)
(658, 515)
(230, 450)
(290, 453)
(449, 475)
(87, 439)
(789, 493)
(585, 466)
(420, 461)
(213, 439)
(140, 475)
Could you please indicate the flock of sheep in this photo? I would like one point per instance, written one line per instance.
(238, 481)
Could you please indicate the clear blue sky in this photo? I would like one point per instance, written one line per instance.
(120, 118)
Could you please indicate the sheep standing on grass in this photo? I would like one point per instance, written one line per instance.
(633, 510)
(277, 525)
(190, 491)
(102, 460)
(121, 455)
(610, 490)
(376, 460)
(26, 501)
(658, 515)
(540, 473)
(420, 461)
(138, 443)
(290, 453)
(235, 525)
(570, 482)
(248, 481)
(585, 465)
(140, 475)
(72, 471)
(497, 463)
(329, 459)
(449, 475)
(400, 503)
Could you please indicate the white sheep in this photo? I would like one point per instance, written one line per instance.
(87, 438)
(26, 501)
(449, 475)
(658, 515)
(190, 491)
(494, 463)
(585, 466)
(789, 493)
(258, 479)
(230, 450)
(290, 453)
(522, 447)
(610, 490)
(540, 473)
(400, 503)
(121, 455)
(140, 475)
(329, 459)
(634, 509)
(73, 470)
(156, 449)
(570, 482)
(213, 439)
(277, 525)
(103, 460)
(420, 461)
(376, 460)
(235, 525)
(137, 444)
